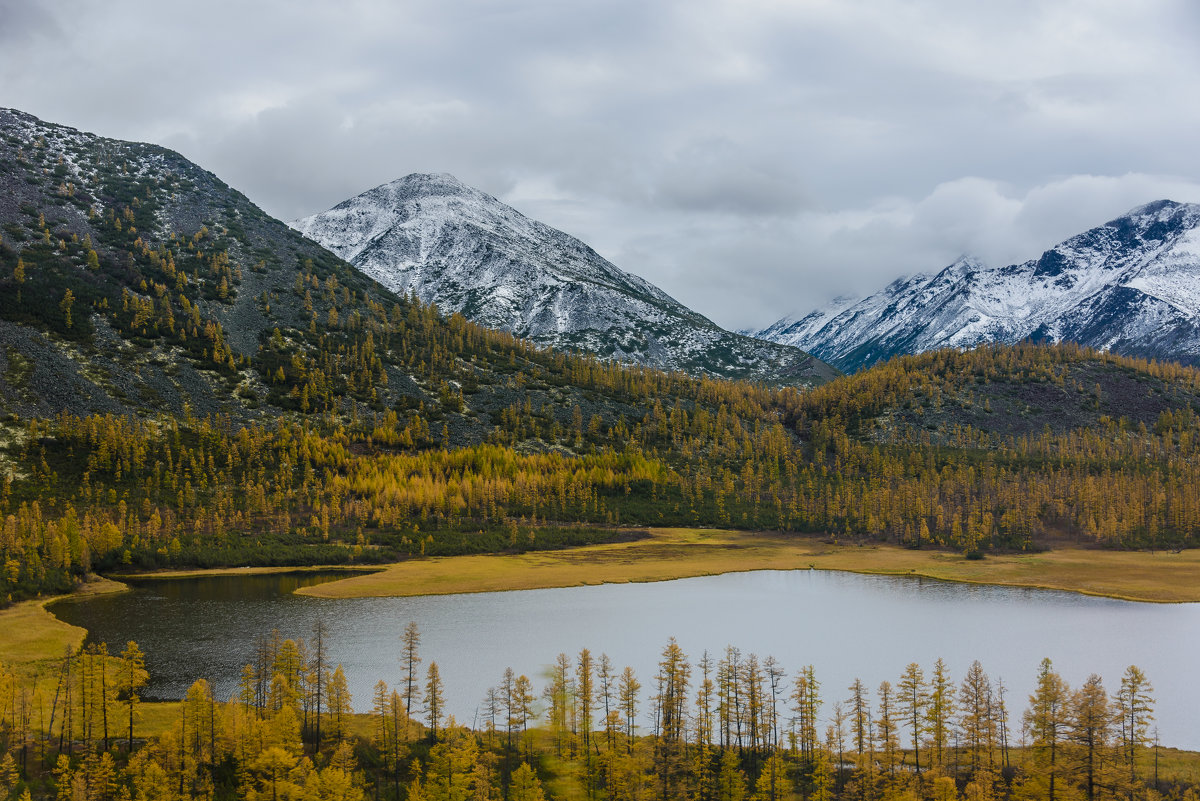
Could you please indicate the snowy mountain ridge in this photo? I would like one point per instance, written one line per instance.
(1131, 286)
(464, 250)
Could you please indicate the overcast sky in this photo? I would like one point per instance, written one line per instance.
(752, 158)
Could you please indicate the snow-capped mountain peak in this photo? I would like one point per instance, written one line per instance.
(1130, 285)
(463, 249)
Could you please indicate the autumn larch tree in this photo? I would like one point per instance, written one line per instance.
(1046, 720)
(1091, 732)
(409, 660)
(912, 698)
(133, 678)
(339, 702)
(317, 672)
(1135, 705)
(976, 720)
(940, 711)
(435, 699)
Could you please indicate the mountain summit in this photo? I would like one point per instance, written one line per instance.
(1130, 286)
(464, 250)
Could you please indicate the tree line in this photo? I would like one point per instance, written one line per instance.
(110, 491)
(729, 727)
(343, 408)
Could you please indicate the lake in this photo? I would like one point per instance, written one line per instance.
(845, 625)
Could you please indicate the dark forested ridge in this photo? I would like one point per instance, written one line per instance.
(1012, 446)
(730, 727)
(188, 382)
(941, 450)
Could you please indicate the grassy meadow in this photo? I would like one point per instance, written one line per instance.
(669, 553)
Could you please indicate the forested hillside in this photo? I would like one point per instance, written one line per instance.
(187, 382)
(999, 448)
(1009, 447)
(135, 285)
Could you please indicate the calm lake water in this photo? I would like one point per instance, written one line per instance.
(845, 625)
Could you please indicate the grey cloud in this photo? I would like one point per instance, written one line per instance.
(752, 158)
(25, 23)
(717, 176)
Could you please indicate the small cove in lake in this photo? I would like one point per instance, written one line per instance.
(846, 625)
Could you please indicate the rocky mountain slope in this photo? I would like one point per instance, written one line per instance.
(462, 249)
(133, 282)
(173, 277)
(1131, 286)
(271, 404)
(184, 296)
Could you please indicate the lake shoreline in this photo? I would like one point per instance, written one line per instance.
(665, 555)
(35, 636)
(668, 554)
(738, 550)
(797, 616)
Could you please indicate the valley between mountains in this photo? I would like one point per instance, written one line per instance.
(191, 383)
(455, 398)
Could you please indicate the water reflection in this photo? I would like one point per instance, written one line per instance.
(846, 625)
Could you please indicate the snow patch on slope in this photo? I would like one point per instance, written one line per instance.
(1131, 286)
(464, 250)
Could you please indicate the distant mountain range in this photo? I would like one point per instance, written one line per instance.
(296, 409)
(1130, 286)
(132, 279)
(456, 246)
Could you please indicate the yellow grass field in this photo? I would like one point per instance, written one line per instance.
(31, 637)
(670, 553)
(33, 642)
